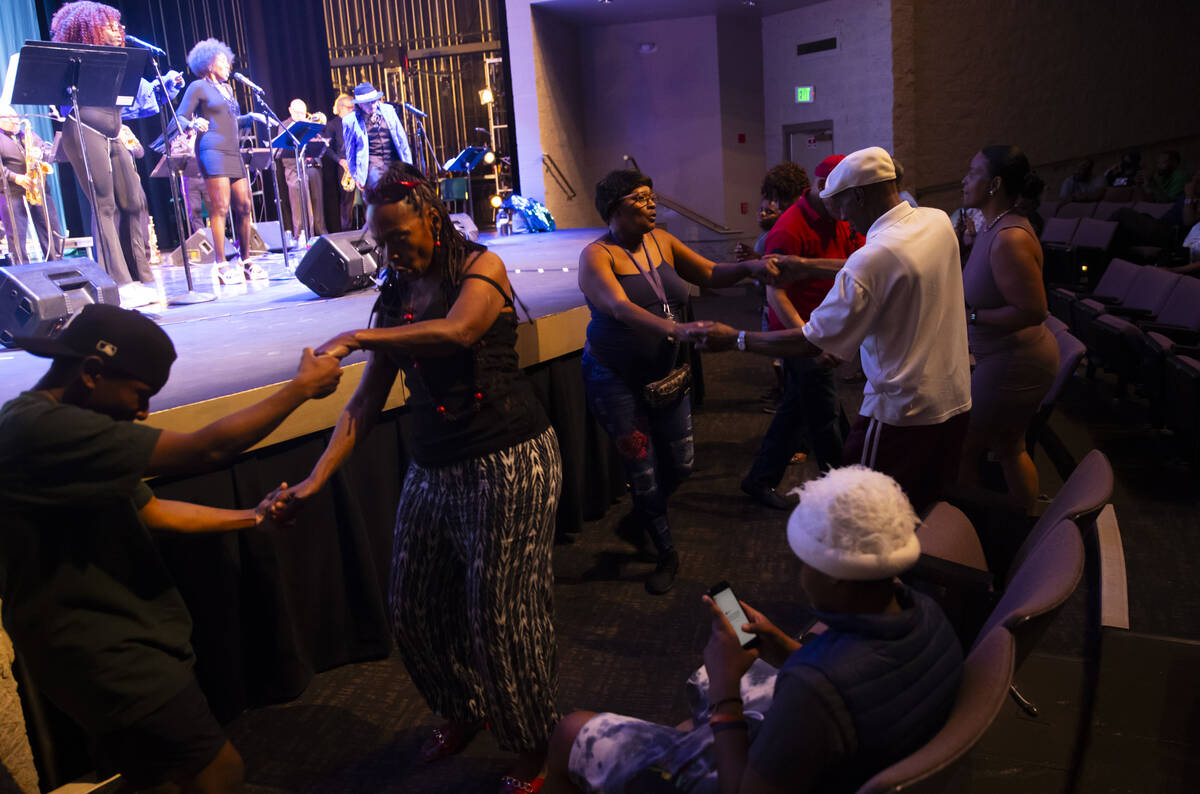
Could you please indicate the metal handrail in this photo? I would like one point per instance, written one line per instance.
(551, 167)
(681, 209)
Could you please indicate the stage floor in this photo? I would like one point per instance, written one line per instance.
(251, 336)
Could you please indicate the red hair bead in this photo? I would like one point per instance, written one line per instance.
(441, 409)
(478, 395)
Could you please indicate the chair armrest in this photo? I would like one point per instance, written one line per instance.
(1180, 334)
(1191, 351)
(952, 575)
(1129, 311)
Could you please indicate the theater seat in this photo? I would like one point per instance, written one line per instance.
(1105, 210)
(1070, 354)
(1146, 296)
(1076, 209)
(1153, 209)
(987, 675)
(1113, 285)
(1133, 347)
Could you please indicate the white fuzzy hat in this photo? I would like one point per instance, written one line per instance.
(864, 167)
(854, 523)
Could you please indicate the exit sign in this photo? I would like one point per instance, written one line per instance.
(804, 93)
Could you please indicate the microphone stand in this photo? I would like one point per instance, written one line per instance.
(266, 109)
(166, 113)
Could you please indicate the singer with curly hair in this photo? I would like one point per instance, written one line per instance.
(102, 164)
(209, 104)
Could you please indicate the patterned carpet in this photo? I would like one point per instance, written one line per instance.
(358, 728)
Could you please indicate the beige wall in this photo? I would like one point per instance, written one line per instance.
(743, 145)
(560, 118)
(1057, 79)
(852, 85)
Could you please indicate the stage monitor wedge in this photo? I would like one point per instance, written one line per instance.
(37, 300)
(338, 263)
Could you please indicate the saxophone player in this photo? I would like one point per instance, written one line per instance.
(19, 189)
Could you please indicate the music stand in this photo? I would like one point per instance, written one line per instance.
(467, 160)
(294, 138)
(79, 75)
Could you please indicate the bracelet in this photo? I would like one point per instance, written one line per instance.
(723, 701)
(728, 725)
(741, 341)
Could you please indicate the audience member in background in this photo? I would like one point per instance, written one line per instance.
(966, 222)
(1167, 183)
(1190, 220)
(809, 407)
(88, 601)
(781, 188)
(898, 298)
(471, 592)
(1124, 173)
(904, 194)
(635, 279)
(1016, 357)
(872, 688)
(1081, 185)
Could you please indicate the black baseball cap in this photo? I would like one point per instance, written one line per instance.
(128, 341)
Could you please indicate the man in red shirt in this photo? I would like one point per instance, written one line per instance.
(809, 403)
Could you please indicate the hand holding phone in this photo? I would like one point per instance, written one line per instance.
(722, 595)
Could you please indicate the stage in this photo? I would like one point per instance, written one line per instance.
(234, 349)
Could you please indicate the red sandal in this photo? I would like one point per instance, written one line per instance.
(514, 785)
(446, 741)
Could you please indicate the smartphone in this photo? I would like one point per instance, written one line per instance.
(728, 604)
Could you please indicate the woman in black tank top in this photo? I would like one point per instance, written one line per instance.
(636, 280)
(471, 574)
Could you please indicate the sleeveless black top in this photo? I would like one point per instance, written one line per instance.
(636, 357)
(469, 403)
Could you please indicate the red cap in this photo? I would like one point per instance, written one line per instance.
(826, 166)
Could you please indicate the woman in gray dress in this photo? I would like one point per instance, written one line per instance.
(1016, 357)
(210, 105)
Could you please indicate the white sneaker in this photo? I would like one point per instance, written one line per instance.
(135, 294)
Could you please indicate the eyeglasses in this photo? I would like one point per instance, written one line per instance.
(642, 199)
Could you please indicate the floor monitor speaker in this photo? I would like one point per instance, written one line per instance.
(338, 263)
(37, 300)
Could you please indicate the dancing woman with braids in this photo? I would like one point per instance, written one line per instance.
(471, 581)
(115, 190)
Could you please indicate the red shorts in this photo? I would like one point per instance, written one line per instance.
(922, 458)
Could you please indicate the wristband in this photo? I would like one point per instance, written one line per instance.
(741, 341)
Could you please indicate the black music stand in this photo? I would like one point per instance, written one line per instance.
(79, 75)
(467, 160)
(295, 137)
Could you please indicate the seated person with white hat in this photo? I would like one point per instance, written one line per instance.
(824, 715)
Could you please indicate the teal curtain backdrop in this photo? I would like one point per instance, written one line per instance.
(19, 22)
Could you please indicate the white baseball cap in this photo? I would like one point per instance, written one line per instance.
(864, 167)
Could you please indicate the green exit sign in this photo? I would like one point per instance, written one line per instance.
(804, 93)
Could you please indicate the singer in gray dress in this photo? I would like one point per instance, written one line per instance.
(210, 105)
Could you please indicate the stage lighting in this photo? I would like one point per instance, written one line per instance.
(496, 201)
(489, 157)
(485, 96)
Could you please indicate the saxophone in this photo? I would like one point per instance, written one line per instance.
(36, 168)
(348, 181)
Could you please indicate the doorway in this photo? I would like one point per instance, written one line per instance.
(808, 144)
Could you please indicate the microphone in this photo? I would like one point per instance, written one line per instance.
(415, 111)
(145, 45)
(246, 81)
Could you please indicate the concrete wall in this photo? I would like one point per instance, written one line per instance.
(1057, 79)
(561, 121)
(743, 145)
(852, 84)
(663, 108)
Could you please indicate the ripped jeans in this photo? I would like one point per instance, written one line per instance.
(655, 445)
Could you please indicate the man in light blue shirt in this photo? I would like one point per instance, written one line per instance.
(374, 136)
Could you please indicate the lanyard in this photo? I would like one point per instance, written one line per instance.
(652, 276)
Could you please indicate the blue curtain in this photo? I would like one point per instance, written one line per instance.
(18, 23)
